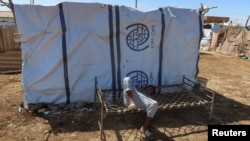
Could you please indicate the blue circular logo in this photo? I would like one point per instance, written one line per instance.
(139, 78)
(138, 35)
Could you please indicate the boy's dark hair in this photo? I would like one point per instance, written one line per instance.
(152, 87)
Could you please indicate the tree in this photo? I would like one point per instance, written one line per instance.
(2, 3)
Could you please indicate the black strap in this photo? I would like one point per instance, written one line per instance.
(201, 35)
(64, 53)
(111, 43)
(161, 46)
(117, 20)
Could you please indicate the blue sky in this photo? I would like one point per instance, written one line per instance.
(237, 10)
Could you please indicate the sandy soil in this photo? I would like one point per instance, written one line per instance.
(228, 76)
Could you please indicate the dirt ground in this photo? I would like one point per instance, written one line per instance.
(228, 76)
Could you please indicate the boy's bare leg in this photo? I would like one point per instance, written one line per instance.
(146, 124)
(144, 128)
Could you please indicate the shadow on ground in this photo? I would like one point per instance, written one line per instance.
(167, 125)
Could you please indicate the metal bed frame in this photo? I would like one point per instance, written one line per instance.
(187, 94)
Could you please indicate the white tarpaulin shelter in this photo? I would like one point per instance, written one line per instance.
(64, 47)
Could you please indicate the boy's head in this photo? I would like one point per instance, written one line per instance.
(150, 89)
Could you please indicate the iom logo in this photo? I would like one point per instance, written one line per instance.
(138, 35)
(139, 78)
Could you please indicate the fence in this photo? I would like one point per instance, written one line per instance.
(10, 48)
(9, 38)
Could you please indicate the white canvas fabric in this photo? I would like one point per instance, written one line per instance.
(64, 47)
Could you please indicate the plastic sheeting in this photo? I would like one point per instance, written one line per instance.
(236, 42)
(64, 47)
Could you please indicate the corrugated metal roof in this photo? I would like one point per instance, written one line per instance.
(215, 19)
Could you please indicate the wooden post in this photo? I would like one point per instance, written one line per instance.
(214, 41)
